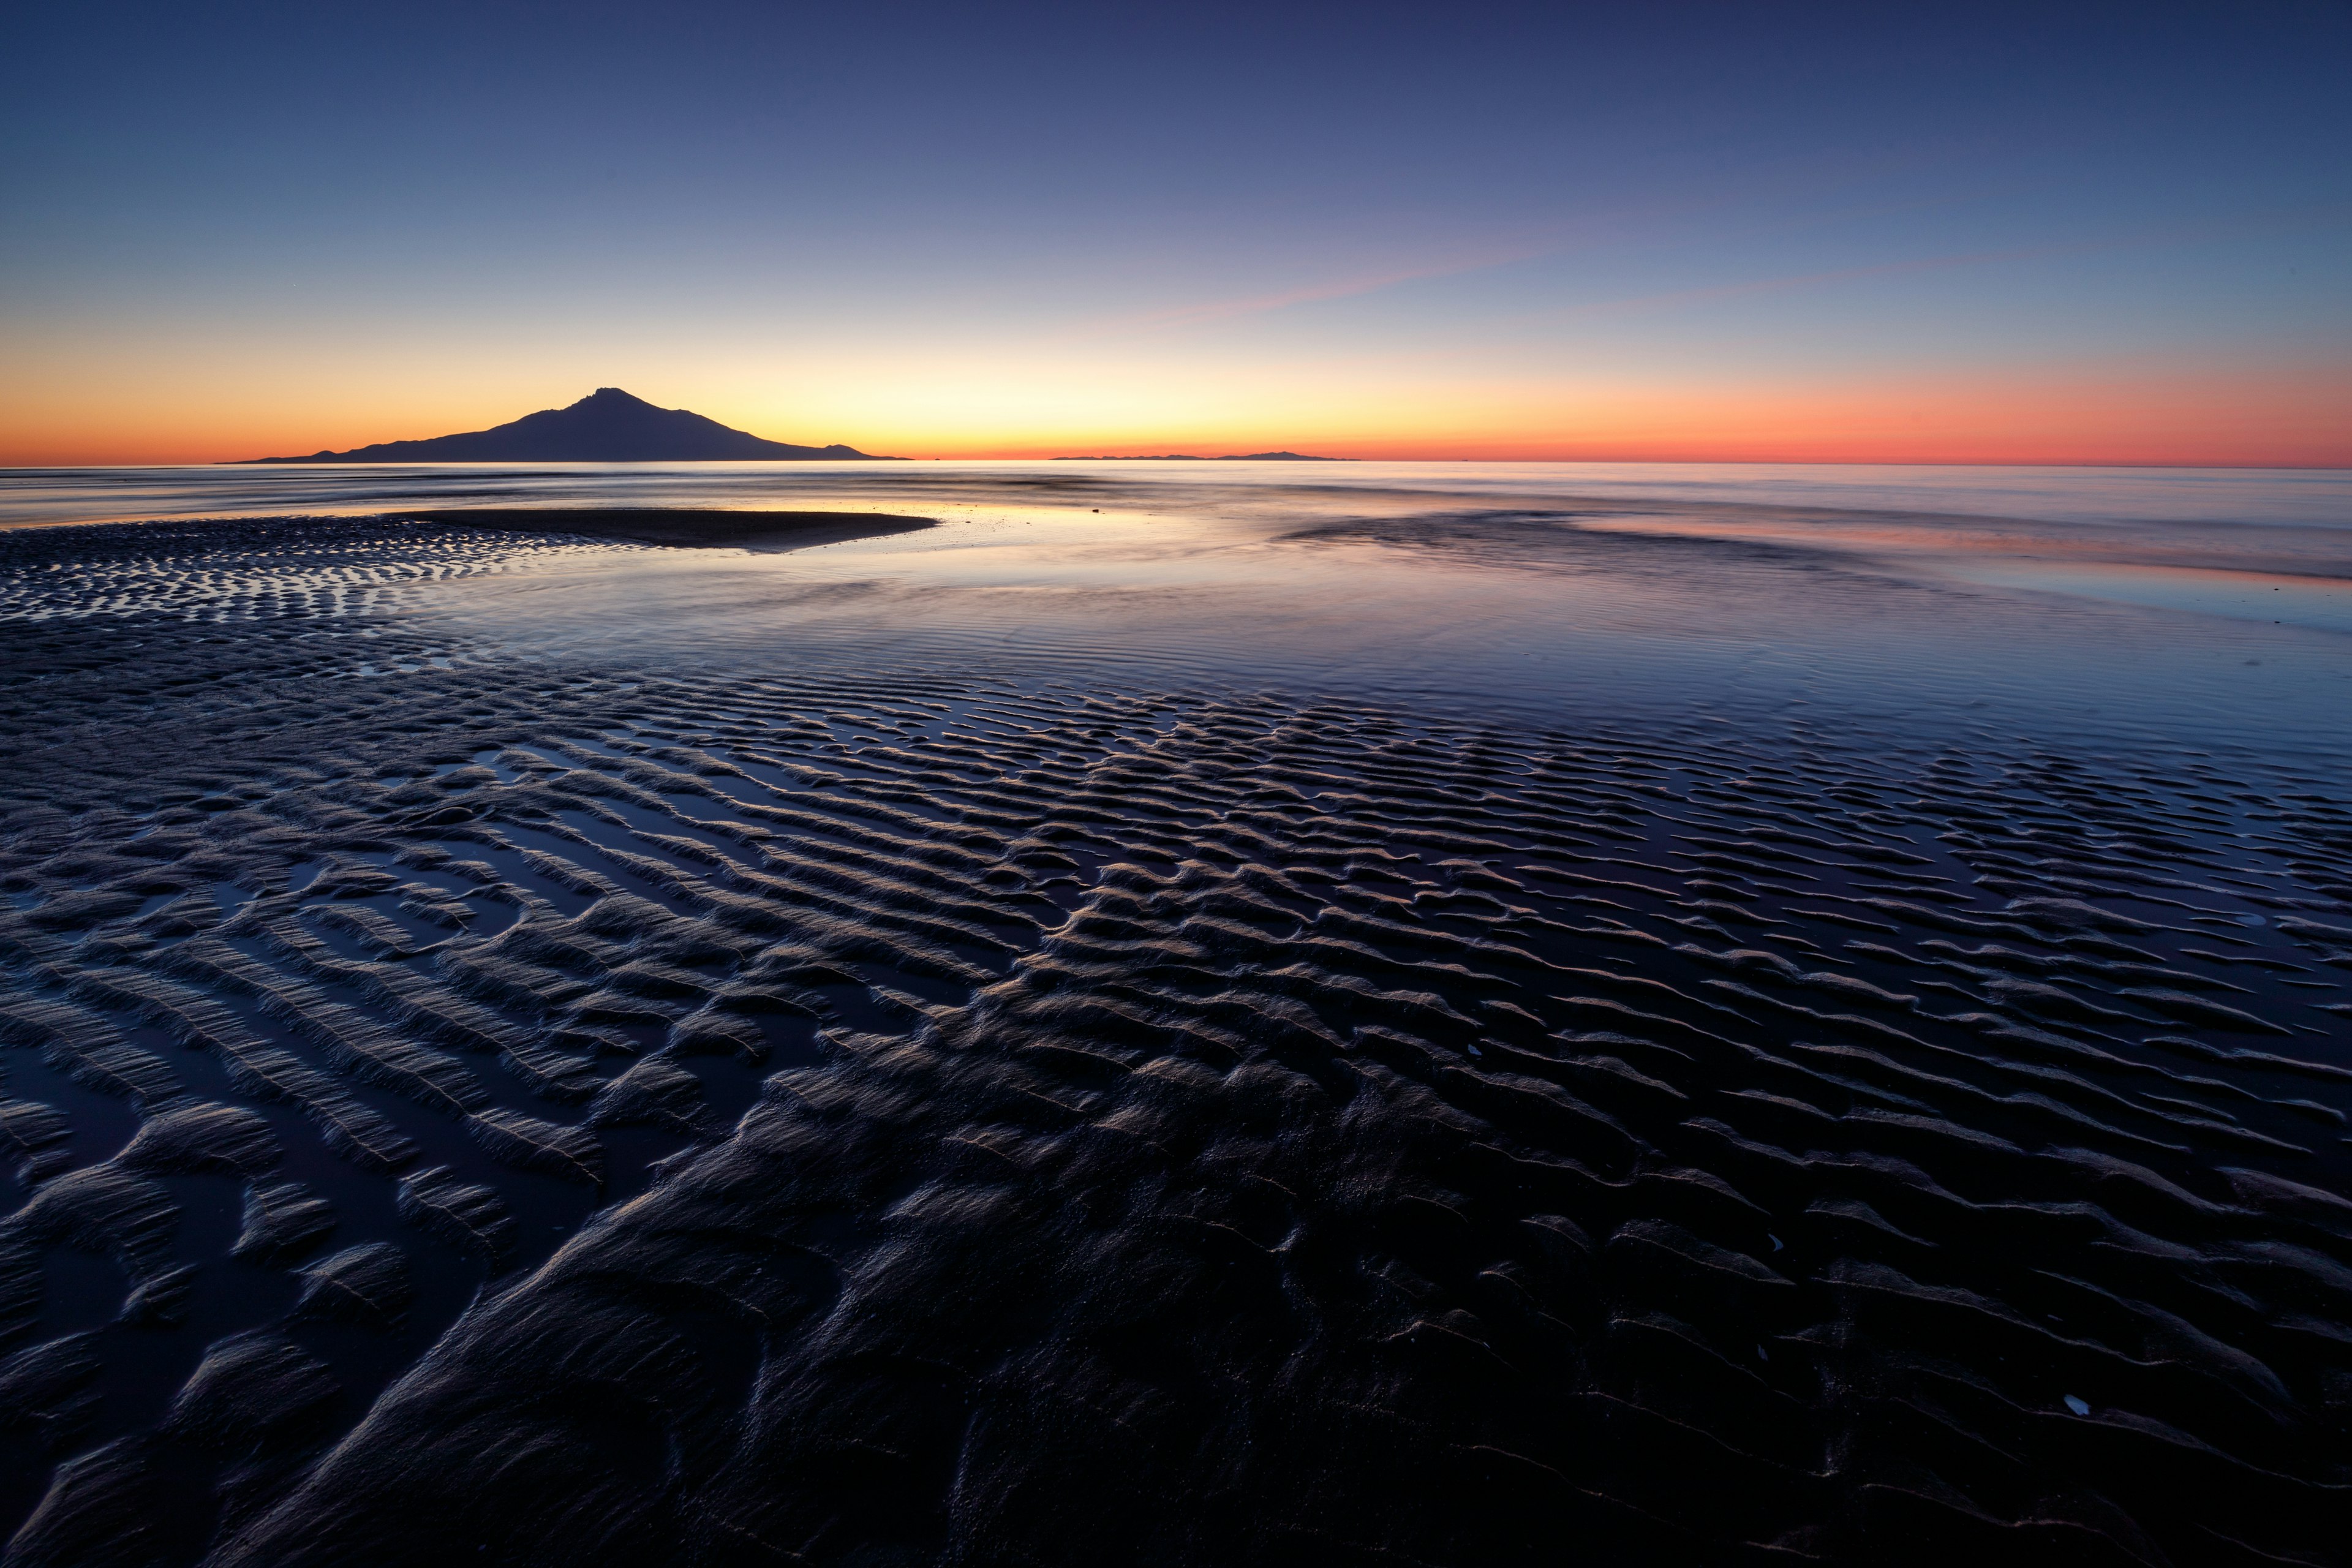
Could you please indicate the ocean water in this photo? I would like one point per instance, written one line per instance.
(2194, 606)
(2129, 496)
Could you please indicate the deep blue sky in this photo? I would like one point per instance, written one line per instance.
(948, 230)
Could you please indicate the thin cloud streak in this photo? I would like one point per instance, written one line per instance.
(1316, 293)
(2170, 234)
(1790, 185)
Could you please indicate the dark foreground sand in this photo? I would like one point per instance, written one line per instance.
(691, 527)
(582, 1116)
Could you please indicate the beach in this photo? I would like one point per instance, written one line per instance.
(1432, 1014)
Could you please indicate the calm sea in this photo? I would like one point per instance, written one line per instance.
(2189, 606)
(2314, 498)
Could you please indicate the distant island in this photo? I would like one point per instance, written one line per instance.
(608, 426)
(1230, 458)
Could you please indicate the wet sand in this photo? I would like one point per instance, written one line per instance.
(683, 527)
(603, 1106)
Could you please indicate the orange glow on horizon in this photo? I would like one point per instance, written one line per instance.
(2129, 415)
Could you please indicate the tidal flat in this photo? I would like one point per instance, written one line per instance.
(1413, 1015)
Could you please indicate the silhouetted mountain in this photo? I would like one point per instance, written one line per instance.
(606, 426)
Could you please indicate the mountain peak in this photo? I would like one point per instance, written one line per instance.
(608, 426)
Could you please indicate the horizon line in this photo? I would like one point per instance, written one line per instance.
(2326, 466)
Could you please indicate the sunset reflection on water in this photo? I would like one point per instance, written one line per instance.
(2183, 605)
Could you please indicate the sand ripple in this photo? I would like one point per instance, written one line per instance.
(601, 1116)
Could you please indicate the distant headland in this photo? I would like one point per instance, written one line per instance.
(1230, 458)
(608, 426)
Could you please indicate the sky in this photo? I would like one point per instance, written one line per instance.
(1770, 232)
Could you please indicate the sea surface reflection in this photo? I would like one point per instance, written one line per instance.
(2190, 607)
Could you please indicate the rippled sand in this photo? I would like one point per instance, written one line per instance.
(506, 1101)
